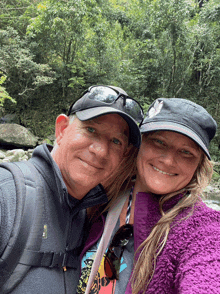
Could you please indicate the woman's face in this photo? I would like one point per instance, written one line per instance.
(166, 162)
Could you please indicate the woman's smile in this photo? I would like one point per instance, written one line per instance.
(162, 172)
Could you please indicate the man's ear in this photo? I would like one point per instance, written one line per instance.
(62, 122)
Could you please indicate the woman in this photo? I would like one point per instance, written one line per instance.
(176, 237)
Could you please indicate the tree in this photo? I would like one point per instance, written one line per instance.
(3, 93)
(58, 30)
(25, 75)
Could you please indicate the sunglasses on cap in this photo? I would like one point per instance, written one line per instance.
(97, 96)
(113, 256)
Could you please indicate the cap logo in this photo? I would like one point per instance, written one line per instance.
(155, 109)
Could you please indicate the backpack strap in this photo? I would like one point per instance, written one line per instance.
(28, 224)
(111, 220)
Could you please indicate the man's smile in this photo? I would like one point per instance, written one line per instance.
(89, 164)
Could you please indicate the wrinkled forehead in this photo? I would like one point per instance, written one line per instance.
(111, 122)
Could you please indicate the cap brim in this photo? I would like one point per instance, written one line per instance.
(170, 126)
(135, 135)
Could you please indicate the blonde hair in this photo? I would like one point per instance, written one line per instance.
(118, 183)
(153, 245)
(122, 179)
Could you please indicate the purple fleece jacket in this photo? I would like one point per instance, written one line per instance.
(190, 260)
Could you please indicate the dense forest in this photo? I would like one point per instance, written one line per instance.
(52, 50)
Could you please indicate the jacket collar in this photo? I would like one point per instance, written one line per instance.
(96, 196)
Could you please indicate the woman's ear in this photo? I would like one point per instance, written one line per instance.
(62, 123)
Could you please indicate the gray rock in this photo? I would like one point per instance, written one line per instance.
(16, 135)
(29, 153)
(2, 154)
(213, 205)
(9, 118)
(16, 155)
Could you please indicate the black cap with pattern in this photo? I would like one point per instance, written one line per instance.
(182, 116)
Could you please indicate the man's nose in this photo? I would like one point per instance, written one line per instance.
(100, 148)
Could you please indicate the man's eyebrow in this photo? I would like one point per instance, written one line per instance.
(95, 121)
(92, 121)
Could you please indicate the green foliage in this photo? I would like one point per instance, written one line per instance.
(25, 75)
(145, 107)
(51, 51)
(3, 93)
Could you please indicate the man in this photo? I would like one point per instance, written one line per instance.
(91, 143)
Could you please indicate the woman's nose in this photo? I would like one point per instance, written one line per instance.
(168, 157)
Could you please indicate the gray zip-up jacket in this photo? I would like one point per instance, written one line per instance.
(64, 217)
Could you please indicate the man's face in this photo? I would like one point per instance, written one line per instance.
(88, 152)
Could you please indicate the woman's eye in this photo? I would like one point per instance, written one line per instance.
(186, 152)
(116, 141)
(160, 142)
(91, 130)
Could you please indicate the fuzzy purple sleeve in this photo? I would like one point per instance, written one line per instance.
(190, 261)
(198, 266)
